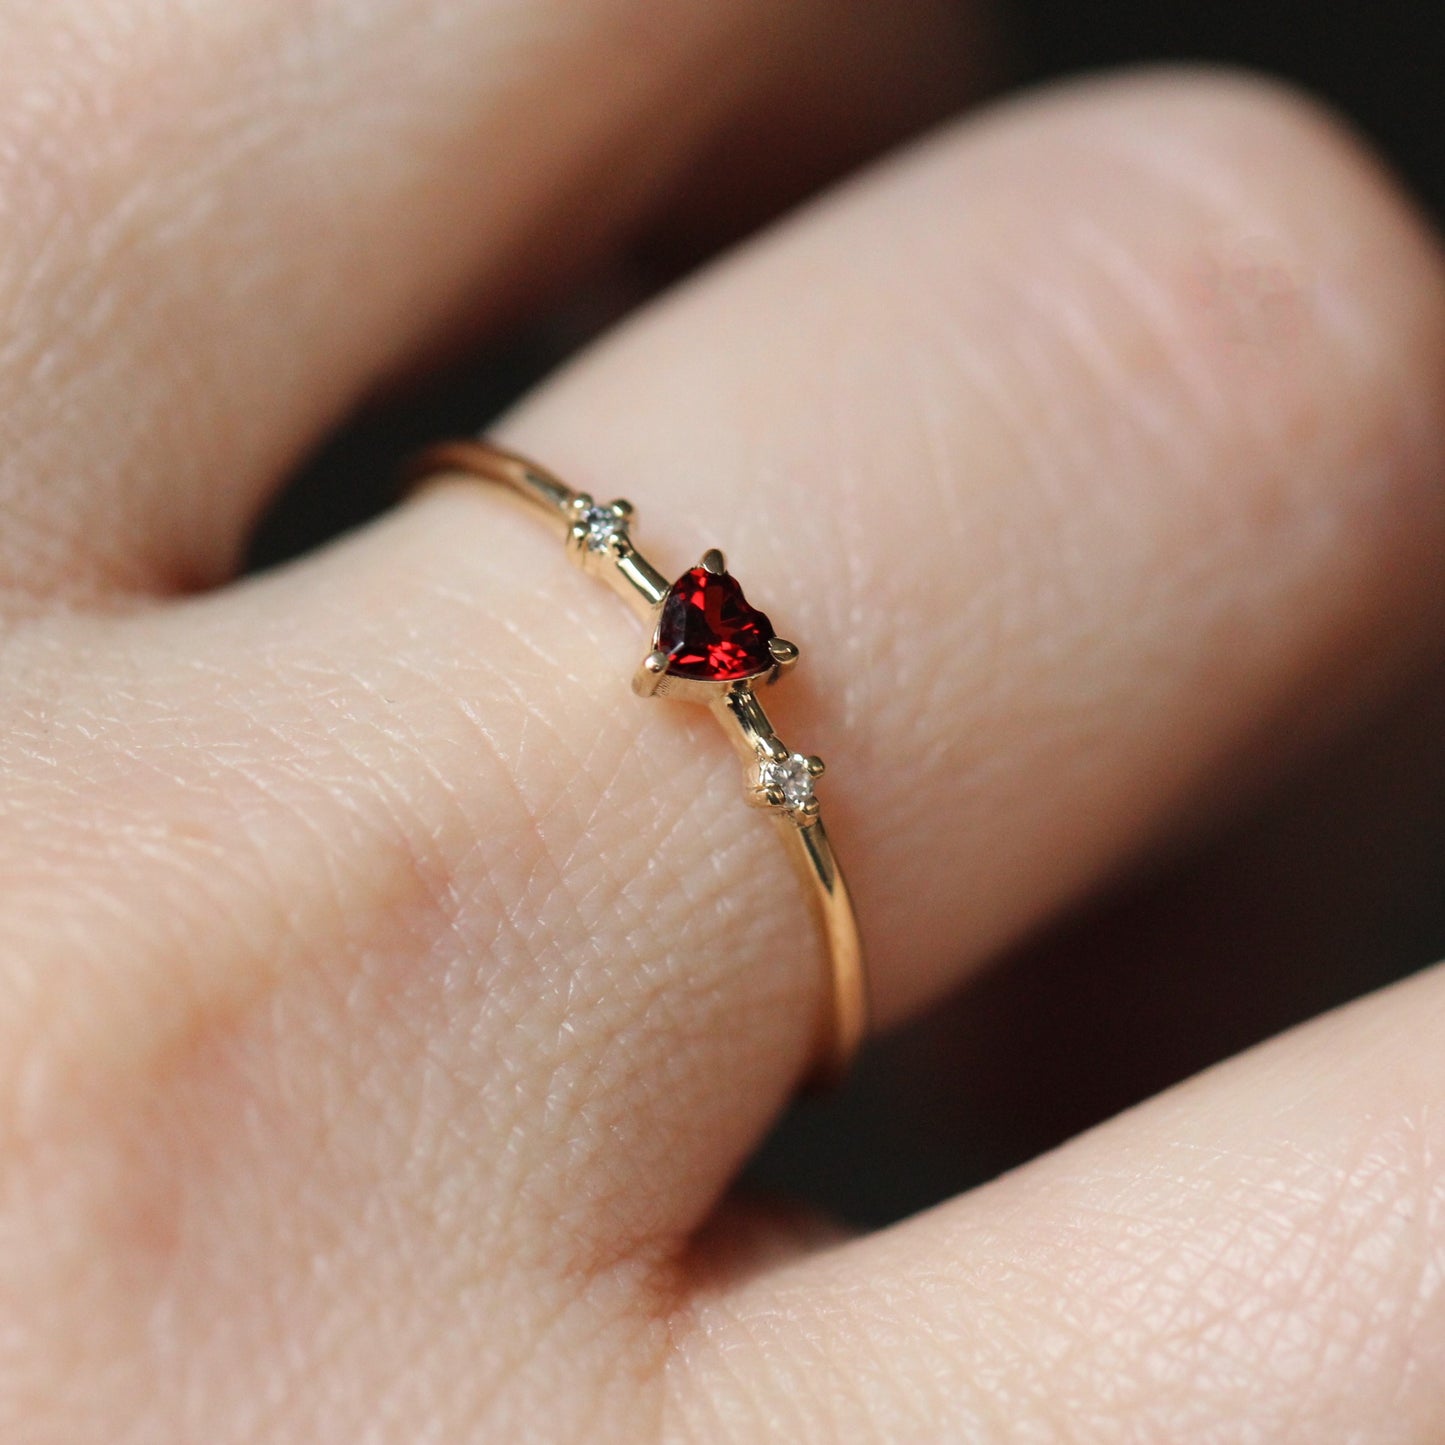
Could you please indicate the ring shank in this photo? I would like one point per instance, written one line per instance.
(840, 1032)
(484, 462)
(738, 710)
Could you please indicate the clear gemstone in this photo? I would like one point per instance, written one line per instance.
(604, 526)
(791, 777)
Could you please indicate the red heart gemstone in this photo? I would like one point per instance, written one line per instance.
(708, 630)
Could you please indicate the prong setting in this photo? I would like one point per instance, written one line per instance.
(649, 674)
(786, 781)
(784, 655)
(599, 531)
(714, 562)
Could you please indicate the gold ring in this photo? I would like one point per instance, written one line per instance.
(708, 646)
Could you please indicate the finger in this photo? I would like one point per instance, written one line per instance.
(1256, 1253)
(1061, 541)
(225, 227)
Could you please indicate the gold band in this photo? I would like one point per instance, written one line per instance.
(710, 647)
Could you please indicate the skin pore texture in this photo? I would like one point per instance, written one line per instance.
(388, 997)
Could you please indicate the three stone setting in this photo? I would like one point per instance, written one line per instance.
(710, 645)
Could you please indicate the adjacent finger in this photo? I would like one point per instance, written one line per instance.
(224, 225)
(1256, 1254)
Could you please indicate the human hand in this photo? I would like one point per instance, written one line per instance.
(390, 996)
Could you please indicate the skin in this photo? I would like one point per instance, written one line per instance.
(388, 998)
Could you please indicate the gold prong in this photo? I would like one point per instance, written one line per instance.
(773, 797)
(582, 502)
(714, 562)
(810, 809)
(649, 674)
(815, 766)
(784, 655)
(773, 749)
(622, 508)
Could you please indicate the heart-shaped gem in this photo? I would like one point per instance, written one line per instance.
(708, 630)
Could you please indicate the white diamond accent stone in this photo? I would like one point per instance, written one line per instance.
(604, 527)
(792, 777)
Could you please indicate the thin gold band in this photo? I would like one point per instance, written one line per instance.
(599, 539)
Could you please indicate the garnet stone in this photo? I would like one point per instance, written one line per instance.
(708, 630)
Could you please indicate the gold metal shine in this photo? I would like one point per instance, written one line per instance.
(598, 538)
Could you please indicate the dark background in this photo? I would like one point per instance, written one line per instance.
(1333, 888)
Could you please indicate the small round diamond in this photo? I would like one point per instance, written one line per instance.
(792, 777)
(604, 527)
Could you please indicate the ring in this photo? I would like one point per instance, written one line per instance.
(708, 646)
